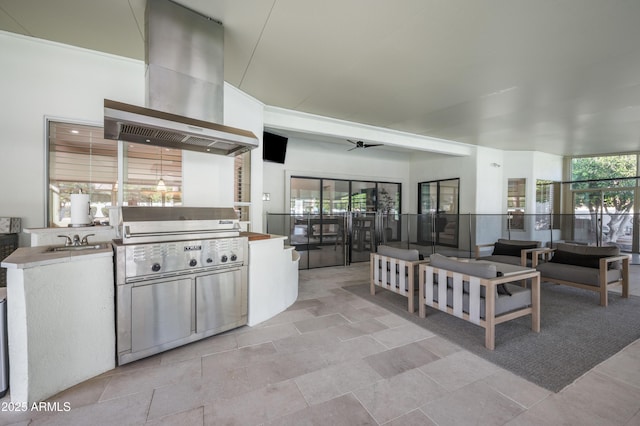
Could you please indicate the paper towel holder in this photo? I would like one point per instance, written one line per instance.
(81, 225)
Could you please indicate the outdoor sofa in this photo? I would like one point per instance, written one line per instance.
(587, 267)
(514, 252)
(459, 288)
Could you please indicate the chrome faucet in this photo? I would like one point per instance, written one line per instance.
(68, 241)
(85, 242)
(75, 241)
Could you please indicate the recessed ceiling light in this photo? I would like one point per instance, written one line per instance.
(75, 132)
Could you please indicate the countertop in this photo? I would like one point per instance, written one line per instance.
(30, 257)
(253, 236)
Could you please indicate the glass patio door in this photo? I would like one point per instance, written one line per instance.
(318, 208)
(363, 219)
(438, 209)
(333, 218)
(599, 220)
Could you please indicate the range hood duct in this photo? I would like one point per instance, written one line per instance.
(184, 87)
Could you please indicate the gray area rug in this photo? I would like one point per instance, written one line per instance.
(576, 333)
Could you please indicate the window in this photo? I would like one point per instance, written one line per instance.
(604, 171)
(335, 196)
(152, 175)
(516, 202)
(81, 160)
(603, 193)
(547, 204)
(242, 185)
(516, 196)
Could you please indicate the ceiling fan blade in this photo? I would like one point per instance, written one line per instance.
(353, 142)
(351, 149)
(369, 145)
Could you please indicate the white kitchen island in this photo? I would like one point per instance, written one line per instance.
(273, 276)
(60, 308)
(60, 314)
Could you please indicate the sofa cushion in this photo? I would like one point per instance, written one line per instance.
(576, 274)
(511, 260)
(481, 270)
(521, 298)
(398, 253)
(474, 269)
(605, 251)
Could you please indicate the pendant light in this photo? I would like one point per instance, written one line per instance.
(161, 187)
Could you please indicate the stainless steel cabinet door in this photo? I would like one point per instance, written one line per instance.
(160, 313)
(218, 301)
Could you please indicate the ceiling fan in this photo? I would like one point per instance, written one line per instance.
(361, 144)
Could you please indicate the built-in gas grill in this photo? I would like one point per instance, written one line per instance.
(181, 275)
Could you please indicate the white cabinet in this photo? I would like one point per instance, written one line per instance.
(273, 278)
(61, 320)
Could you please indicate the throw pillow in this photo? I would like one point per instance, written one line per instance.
(510, 249)
(586, 260)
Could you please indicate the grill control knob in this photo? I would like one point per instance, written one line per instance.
(209, 260)
(155, 267)
(224, 258)
(193, 262)
(234, 257)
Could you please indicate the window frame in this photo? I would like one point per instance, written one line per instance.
(50, 121)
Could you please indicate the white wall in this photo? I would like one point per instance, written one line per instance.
(490, 201)
(208, 179)
(323, 159)
(245, 112)
(532, 166)
(426, 167)
(547, 166)
(490, 169)
(48, 79)
(45, 79)
(483, 185)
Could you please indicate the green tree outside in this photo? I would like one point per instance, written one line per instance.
(606, 183)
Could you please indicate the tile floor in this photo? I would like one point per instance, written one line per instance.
(335, 359)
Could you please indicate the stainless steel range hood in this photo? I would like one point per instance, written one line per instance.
(184, 87)
(143, 125)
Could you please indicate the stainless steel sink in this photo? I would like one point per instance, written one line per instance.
(80, 248)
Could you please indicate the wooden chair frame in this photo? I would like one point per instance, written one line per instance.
(425, 298)
(401, 284)
(542, 252)
(603, 287)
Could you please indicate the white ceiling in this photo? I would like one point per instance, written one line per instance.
(559, 76)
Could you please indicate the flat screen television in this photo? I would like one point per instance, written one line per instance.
(274, 147)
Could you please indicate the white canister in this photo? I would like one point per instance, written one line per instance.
(80, 209)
